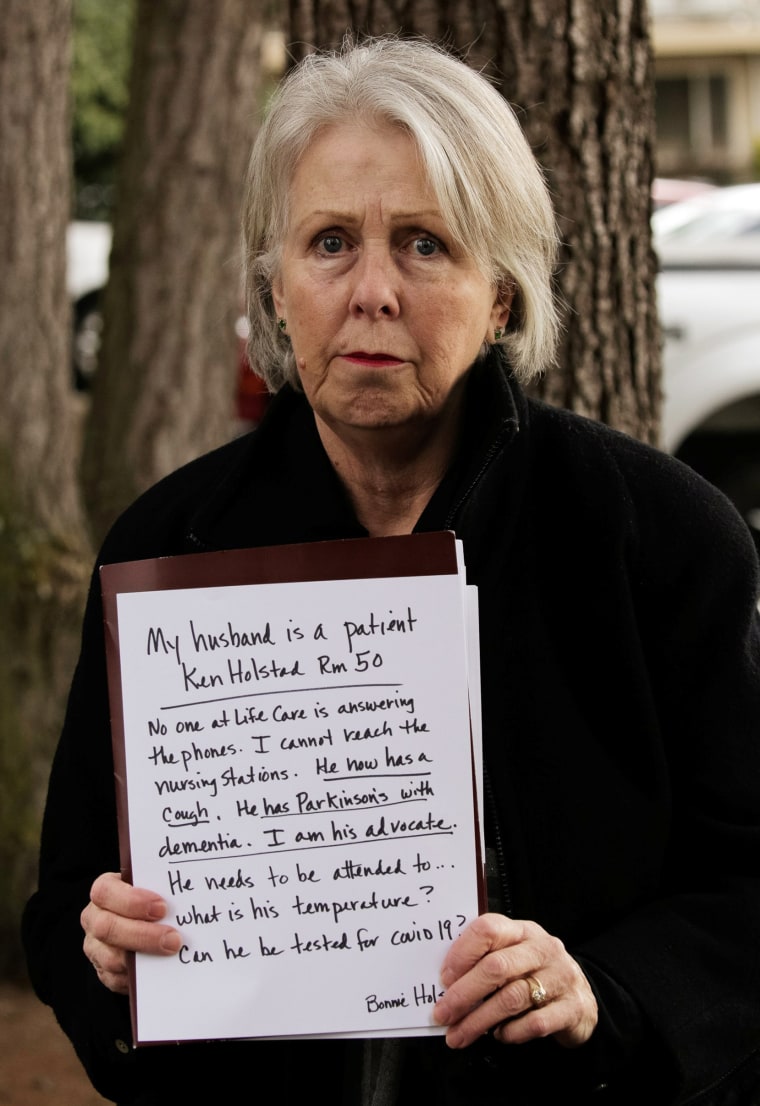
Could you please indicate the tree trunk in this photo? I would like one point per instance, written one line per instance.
(580, 76)
(164, 391)
(44, 558)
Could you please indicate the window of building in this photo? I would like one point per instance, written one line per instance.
(692, 115)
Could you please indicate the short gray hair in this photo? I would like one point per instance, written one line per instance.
(491, 191)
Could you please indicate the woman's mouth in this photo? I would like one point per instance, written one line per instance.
(364, 357)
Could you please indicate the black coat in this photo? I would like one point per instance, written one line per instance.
(621, 706)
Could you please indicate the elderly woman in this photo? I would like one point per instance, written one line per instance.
(399, 249)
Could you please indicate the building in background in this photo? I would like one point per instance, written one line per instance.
(707, 64)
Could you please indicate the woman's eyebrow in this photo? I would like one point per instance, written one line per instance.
(335, 216)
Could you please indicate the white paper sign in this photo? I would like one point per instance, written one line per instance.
(300, 787)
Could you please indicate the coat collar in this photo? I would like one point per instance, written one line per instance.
(281, 487)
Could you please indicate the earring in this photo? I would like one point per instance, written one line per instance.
(497, 334)
(282, 324)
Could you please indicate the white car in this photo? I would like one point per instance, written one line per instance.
(709, 302)
(88, 246)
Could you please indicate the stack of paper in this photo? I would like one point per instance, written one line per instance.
(296, 744)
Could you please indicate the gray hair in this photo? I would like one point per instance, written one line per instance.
(489, 186)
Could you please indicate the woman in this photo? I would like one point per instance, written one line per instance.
(400, 244)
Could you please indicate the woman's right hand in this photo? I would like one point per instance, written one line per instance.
(119, 919)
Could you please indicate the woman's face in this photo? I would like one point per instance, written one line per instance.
(384, 313)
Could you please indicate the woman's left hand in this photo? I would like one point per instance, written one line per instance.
(494, 975)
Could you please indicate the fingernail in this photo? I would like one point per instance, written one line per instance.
(441, 1013)
(447, 977)
(156, 910)
(171, 942)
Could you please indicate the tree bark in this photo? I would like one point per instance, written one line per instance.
(164, 391)
(579, 73)
(36, 414)
(44, 557)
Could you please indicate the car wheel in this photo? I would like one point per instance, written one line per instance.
(86, 341)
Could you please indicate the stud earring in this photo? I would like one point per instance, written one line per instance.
(282, 324)
(497, 334)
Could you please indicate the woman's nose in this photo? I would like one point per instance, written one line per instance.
(375, 292)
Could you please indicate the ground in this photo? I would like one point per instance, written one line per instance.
(38, 1066)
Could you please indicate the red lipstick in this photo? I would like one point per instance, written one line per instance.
(363, 357)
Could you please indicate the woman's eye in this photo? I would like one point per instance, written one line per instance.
(331, 243)
(425, 247)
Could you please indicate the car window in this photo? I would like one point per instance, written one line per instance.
(711, 225)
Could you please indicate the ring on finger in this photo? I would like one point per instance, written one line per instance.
(536, 990)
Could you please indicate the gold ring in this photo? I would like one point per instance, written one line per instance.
(537, 991)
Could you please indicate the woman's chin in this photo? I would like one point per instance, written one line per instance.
(366, 415)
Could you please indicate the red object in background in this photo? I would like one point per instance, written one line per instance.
(251, 395)
(666, 191)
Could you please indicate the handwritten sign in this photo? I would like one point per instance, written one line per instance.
(299, 788)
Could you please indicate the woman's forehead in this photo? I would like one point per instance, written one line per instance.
(350, 165)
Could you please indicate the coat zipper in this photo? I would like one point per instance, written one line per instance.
(492, 810)
(498, 846)
(495, 448)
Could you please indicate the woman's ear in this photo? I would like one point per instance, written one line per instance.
(278, 298)
(502, 305)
